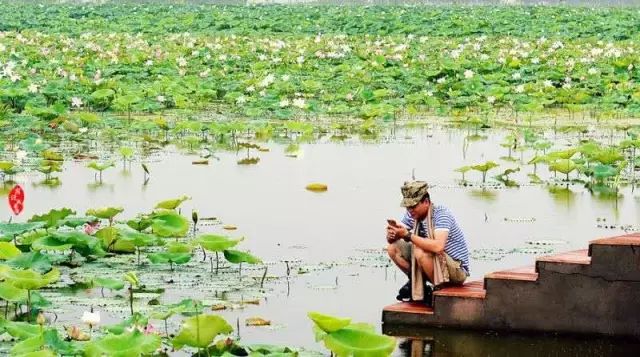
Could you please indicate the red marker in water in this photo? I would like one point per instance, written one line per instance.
(16, 199)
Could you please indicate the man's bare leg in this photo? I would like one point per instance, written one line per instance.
(425, 261)
(396, 255)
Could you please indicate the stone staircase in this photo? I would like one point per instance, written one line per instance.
(590, 291)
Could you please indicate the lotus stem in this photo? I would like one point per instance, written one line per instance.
(131, 299)
(138, 250)
(102, 291)
(29, 305)
(6, 309)
(264, 275)
(204, 254)
(217, 260)
(171, 265)
(166, 329)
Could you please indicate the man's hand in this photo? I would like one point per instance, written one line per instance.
(396, 232)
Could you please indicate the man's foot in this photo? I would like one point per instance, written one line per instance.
(405, 292)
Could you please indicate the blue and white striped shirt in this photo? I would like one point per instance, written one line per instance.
(456, 245)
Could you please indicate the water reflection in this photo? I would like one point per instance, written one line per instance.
(446, 342)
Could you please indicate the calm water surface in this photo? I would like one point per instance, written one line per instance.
(344, 227)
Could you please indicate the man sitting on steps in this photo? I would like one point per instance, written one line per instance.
(448, 243)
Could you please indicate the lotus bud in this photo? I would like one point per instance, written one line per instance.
(40, 319)
(194, 217)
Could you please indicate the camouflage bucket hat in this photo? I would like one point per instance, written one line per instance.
(413, 192)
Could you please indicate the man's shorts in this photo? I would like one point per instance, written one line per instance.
(457, 275)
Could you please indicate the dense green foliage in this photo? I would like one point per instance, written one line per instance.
(283, 62)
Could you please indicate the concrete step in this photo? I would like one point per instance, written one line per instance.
(502, 281)
(460, 305)
(616, 258)
(573, 262)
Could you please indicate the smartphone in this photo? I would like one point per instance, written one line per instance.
(392, 222)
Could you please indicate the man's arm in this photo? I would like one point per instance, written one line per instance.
(436, 245)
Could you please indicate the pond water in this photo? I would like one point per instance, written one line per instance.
(334, 240)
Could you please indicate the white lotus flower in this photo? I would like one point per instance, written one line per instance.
(284, 103)
(349, 97)
(535, 60)
(161, 98)
(593, 70)
(76, 102)
(91, 318)
(520, 88)
(241, 99)
(491, 99)
(468, 74)
(250, 89)
(300, 59)
(182, 62)
(148, 63)
(516, 76)
(21, 154)
(83, 130)
(548, 83)
(429, 94)
(33, 88)
(299, 102)
(286, 77)
(441, 80)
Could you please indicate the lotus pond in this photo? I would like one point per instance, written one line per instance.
(201, 183)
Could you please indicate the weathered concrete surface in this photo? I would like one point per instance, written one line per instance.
(585, 292)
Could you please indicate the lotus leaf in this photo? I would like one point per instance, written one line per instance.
(124, 345)
(169, 224)
(200, 330)
(41, 353)
(50, 243)
(109, 283)
(20, 330)
(48, 338)
(51, 155)
(29, 279)
(32, 260)
(172, 204)
(53, 217)
(132, 278)
(136, 320)
(608, 156)
(104, 212)
(236, 256)
(138, 239)
(112, 240)
(8, 250)
(14, 229)
(78, 241)
(9, 292)
(564, 166)
(217, 243)
(328, 323)
(602, 172)
(357, 342)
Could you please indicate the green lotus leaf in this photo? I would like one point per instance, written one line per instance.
(359, 343)
(80, 241)
(602, 172)
(109, 283)
(169, 224)
(564, 166)
(216, 243)
(124, 345)
(53, 217)
(75, 221)
(177, 256)
(48, 338)
(608, 156)
(200, 330)
(236, 256)
(10, 293)
(14, 229)
(131, 278)
(137, 319)
(20, 330)
(328, 323)
(138, 239)
(102, 94)
(281, 351)
(50, 243)
(172, 204)
(100, 166)
(32, 260)
(30, 279)
(40, 353)
(111, 240)
(126, 152)
(6, 166)
(8, 250)
(564, 154)
(485, 167)
(104, 212)
(52, 155)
